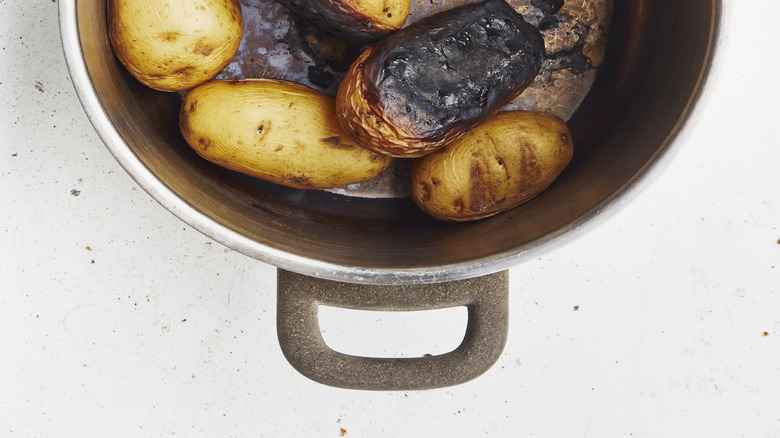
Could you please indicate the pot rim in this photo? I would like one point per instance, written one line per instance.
(96, 113)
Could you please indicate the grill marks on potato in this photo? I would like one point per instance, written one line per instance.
(500, 164)
(530, 170)
(485, 181)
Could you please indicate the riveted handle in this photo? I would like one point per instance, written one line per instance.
(299, 296)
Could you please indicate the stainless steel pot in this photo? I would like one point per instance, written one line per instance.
(384, 253)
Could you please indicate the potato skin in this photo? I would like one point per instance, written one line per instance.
(356, 21)
(275, 130)
(500, 164)
(175, 45)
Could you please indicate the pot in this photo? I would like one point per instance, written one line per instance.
(381, 252)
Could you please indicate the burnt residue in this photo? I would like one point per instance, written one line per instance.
(570, 56)
(541, 15)
(454, 68)
(548, 7)
(320, 76)
(329, 57)
(566, 38)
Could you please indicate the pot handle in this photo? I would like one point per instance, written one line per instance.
(486, 300)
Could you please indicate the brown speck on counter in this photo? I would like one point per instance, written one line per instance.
(342, 431)
(765, 334)
(89, 248)
(576, 308)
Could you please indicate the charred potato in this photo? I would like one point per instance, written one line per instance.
(176, 44)
(498, 165)
(275, 130)
(425, 85)
(357, 21)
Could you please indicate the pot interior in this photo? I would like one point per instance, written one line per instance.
(657, 55)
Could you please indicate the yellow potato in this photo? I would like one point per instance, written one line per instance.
(500, 164)
(175, 45)
(276, 130)
(356, 21)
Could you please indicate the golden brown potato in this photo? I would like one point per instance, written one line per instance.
(276, 130)
(174, 45)
(503, 162)
(357, 21)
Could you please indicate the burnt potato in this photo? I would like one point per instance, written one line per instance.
(279, 131)
(358, 21)
(425, 85)
(498, 165)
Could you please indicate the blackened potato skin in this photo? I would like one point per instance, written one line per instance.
(428, 83)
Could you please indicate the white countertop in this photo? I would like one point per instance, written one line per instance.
(117, 319)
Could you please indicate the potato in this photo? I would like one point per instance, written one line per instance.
(357, 21)
(503, 162)
(276, 130)
(174, 45)
(425, 85)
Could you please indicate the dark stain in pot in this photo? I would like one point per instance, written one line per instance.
(320, 76)
(570, 56)
(548, 7)
(329, 57)
(543, 12)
